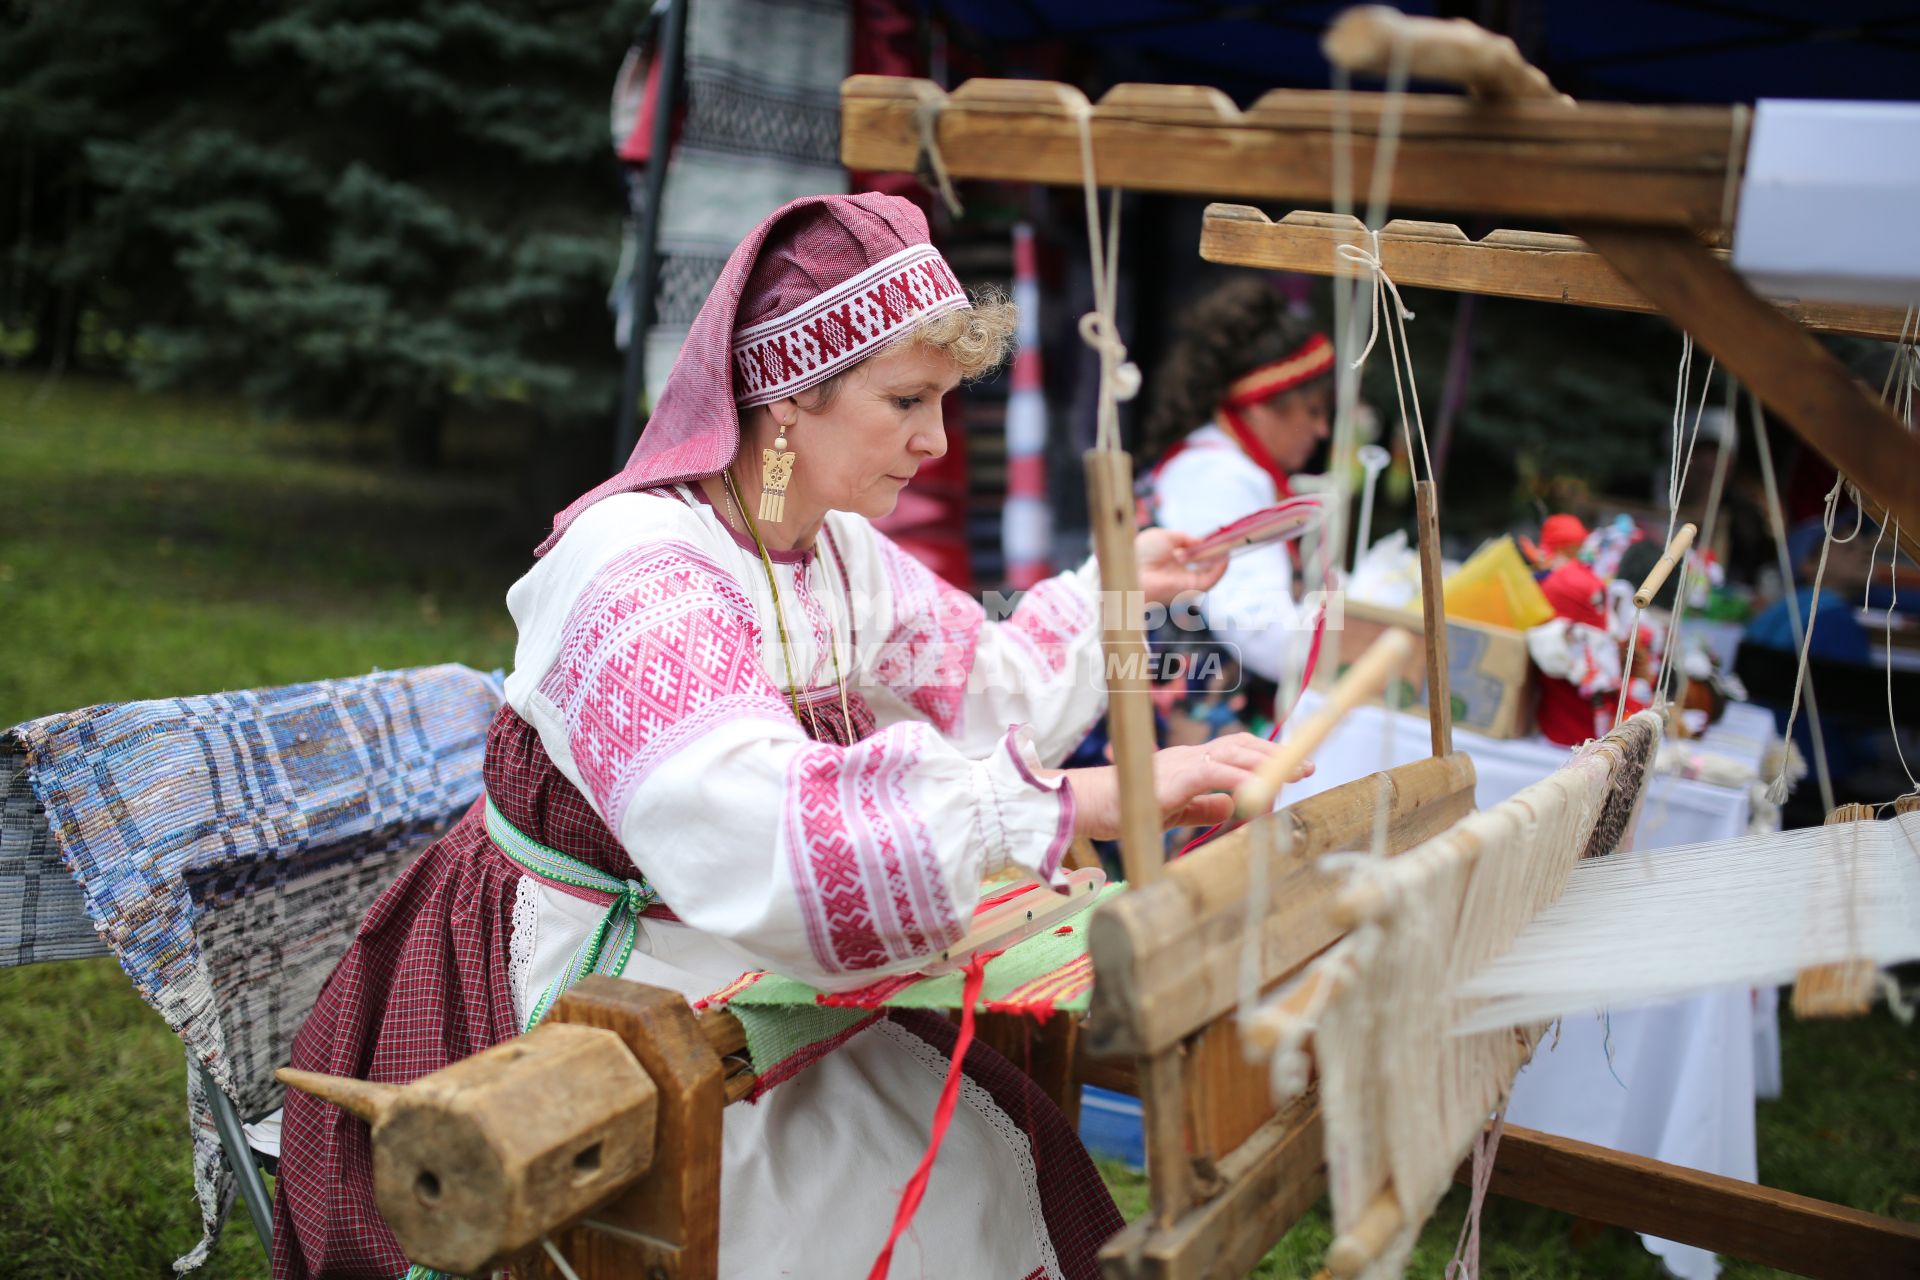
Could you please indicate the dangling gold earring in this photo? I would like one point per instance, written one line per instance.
(776, 472)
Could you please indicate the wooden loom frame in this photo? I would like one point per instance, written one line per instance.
(1229, 1173)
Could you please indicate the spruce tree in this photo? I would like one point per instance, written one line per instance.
(376, 209)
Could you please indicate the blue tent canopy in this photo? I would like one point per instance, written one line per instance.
(1623, 50)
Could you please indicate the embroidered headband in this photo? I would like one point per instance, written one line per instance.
(844, 325)
(1308, 361)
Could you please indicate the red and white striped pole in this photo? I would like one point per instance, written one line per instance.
(1026, 522)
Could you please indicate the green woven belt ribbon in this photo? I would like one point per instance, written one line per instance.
(610, 942)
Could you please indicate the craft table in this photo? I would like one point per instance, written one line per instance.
(1680, 1081)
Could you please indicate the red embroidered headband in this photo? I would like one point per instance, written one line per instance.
(844, 325)
(1310, 360)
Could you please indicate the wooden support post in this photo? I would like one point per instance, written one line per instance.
(1779, 361)
(1268, 1182)
(1164, 1117)
(1433, 615)
(1124, 645)
(667, 1227)
(1845, 989)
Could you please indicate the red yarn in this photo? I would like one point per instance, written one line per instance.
(942, 1115)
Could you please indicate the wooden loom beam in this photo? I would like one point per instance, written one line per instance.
(1674, 166)
(1534, 266)
(1633, 182)
(1757, 1224)
(1794, 375)
(1819, 398)
(1168, 955)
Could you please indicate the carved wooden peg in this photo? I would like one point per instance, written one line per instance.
(480, 1159)
(1663, 567)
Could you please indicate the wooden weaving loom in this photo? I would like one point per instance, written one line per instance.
(478, 1163)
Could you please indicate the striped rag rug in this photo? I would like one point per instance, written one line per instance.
(224, 848)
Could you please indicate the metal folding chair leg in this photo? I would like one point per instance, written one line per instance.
(233, 1141)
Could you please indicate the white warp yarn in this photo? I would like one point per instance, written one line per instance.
(1640, 928)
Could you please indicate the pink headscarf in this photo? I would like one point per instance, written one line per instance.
(821, 284)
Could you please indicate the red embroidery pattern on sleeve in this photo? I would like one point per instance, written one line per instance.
(864, 865)
(1050, 615)
(659, 649)
(936, 631)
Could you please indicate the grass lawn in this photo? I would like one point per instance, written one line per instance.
(154, 545)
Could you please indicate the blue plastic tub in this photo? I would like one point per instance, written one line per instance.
(1110, 1125)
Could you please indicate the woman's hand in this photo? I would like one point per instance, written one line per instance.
(1194, 785)
(1163, 571)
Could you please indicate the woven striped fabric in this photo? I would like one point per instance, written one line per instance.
(225, 847)
(43, 914)
(789, 1024)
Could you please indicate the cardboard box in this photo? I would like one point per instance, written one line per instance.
(1490, 674)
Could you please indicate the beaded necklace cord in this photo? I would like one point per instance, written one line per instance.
(780, 620)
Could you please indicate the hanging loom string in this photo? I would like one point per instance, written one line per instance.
(1465, 1264)
(1905, 354)
(1679, 463)
(1678, 471)
(1119, 377)
(1777, 790)
(916, 1188)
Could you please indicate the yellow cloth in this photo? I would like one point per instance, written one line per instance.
(1496, 587)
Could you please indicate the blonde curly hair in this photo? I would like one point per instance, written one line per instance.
(978, 338)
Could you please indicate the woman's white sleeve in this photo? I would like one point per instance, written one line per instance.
(940, 654)
(818, 861)
(1252, 607)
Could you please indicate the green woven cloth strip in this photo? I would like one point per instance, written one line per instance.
(786, 1024)
(775, 1035)
(1045, 953)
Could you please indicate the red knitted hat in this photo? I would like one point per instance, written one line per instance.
(820, 285)
(1560, 533)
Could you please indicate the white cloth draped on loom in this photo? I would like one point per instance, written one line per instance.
(650, 664)
(1209, 483)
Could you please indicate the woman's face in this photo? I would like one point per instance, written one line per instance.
(1293, 423)
(859, 451)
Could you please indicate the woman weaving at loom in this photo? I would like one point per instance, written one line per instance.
(743, 729)
(1242, 402)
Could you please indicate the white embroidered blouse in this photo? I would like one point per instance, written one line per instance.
(650, 663)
